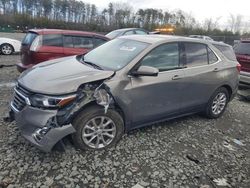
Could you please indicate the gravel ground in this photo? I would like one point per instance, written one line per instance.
(187, 152)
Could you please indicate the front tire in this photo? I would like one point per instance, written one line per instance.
(6, 49)
(217, 103)
(96, 130)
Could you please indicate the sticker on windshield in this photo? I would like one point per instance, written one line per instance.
(128, 48)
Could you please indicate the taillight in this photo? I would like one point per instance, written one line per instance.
(36, 44)
(238, 67)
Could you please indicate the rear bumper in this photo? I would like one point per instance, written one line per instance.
(37, 126)
(21, 67)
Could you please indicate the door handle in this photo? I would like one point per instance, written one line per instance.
(216, 69)
(176, 77)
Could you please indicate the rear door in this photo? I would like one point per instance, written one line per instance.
(76, 45)
(203, 74)
(52, 47)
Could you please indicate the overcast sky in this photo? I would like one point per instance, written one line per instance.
(199, 9)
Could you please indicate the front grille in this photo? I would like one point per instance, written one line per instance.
(20, 98)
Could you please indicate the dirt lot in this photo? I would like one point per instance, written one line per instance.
(187, 152)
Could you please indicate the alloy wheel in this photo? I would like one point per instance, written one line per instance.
(219, 103)
(6, 49)
(99, 132)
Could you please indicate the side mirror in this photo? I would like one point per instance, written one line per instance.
(146, 71)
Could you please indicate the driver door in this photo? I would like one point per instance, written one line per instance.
(157, 97)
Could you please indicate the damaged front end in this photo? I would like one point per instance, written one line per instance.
(45, 120)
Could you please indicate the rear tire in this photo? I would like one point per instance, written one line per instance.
(6, 49)
(94, 125)
(217, 103)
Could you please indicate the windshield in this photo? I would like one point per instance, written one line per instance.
(113, 34)
(242, 48)
(115, 54)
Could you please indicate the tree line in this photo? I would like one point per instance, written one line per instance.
(76, 14)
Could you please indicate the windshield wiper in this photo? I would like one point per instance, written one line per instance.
(91, 64)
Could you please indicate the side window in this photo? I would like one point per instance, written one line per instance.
(83, 42)
(68, 41)
(196, 54)
(228, 51)
(164, 57)
(98, 41)
(140, 32)
(52, 40)
(211, 56)
(129, 33)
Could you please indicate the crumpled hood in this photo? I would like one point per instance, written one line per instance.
(60, 76)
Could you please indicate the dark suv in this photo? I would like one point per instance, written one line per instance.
(242, 51)
(46, 44)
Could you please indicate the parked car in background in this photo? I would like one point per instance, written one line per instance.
(46, 44)
(242, 51)
(9, 46)
(201, 37)
(126, 83)
(126, 31)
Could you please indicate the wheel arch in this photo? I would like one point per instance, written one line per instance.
(229, 89)
(113, 106)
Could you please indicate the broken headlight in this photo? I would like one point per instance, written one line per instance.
(51, 101)
(102, 97)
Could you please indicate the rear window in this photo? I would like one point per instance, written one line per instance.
(98, 41)
(29, 38)
(113, 34)
(140, 32)
(53, 40)
(242, 48)
(211, 56)
(227, 51)
(83, 42)
(196, 54)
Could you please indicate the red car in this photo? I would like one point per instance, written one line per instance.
(46, 44)
(242, 51)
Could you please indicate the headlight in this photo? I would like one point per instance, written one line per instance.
(51, 101)
(102, 97)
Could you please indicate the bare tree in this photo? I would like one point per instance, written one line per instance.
(211, 24)
(190, 21)
(235, 23)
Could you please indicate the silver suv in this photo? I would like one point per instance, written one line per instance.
(127, 83)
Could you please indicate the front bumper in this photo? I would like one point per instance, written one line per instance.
(31, 120)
